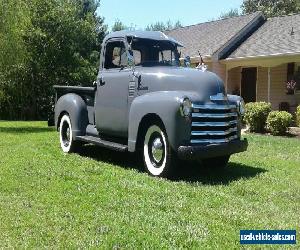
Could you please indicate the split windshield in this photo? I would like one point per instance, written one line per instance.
(149, 53)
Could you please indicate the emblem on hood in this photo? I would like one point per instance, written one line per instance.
(219, 97)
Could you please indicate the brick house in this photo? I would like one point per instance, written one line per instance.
(253, 55)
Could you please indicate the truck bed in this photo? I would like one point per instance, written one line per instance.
(86, 93)
(62, 90)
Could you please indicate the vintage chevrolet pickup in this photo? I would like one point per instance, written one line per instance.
(143, 101)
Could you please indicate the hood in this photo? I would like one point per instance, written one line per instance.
(201, 84)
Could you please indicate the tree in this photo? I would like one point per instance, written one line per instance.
(161, 26)
(61, 41)
(271, 8)
(230, 13)
(13, 22)
(118, 25)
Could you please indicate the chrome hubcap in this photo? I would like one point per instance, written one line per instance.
(157, 150)
(68, 134)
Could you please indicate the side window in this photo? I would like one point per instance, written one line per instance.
(166, 55)
(115, 55)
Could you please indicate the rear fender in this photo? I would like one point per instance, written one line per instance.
(76, 108)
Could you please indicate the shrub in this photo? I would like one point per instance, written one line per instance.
(298, 116)
(256, 115)
(278, 122)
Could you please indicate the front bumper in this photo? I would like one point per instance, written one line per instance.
(212, 151)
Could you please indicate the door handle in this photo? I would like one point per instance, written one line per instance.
(101, 82)
(139, 82)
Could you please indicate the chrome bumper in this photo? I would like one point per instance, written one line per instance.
(199, 152)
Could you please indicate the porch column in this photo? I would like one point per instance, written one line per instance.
(226, 79)
(269, 84)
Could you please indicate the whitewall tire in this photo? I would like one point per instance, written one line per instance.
(157, 154)
(67, 143)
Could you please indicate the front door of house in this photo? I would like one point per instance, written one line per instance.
(248, 84)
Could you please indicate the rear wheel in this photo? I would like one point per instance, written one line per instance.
(67, 142)
(159, 158)
(217, 162)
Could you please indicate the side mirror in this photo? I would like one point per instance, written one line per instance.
(130, 59)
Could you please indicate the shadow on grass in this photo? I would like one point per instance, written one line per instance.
(25, 130)
(124, 160)
(190, 172)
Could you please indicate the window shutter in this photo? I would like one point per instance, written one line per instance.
(290, 71)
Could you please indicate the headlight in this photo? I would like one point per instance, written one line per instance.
(241, 107)
(186, 107)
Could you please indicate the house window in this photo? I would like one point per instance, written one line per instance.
(293, 73)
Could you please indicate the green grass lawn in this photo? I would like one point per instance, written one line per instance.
(100, 199)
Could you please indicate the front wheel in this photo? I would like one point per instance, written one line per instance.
(157, 153)
(67, 142)
(217, 162)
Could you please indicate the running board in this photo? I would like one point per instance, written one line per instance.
(102, 143)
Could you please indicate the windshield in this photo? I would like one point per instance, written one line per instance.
(149, 53)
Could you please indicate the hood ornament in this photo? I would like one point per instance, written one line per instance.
(202, 66)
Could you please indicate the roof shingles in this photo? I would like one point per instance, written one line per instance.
(209, 37)
(272, 38)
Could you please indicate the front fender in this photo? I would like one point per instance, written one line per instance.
(164, 104)
(75, 106)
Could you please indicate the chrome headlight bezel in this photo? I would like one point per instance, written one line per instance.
(186, 107)
(241, 107)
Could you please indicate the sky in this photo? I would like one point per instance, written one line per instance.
(140, 13)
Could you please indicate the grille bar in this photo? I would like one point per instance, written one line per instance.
(214, 107)
(212, 141)
(214, 124)
(214, 115)
(217, 133)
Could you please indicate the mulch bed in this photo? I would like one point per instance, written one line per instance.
(293, 132)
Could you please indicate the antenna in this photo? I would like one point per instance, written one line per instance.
(292, 33)
(201, 59)
(201, 65)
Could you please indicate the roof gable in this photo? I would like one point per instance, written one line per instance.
(212, 38)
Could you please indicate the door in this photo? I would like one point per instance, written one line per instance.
(248, 84)
(112, 91)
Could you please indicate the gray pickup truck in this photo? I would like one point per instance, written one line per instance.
(143, 101)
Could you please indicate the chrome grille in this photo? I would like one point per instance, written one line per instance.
(214, 123)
